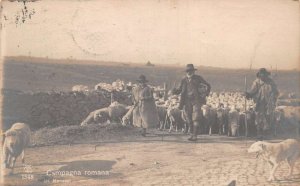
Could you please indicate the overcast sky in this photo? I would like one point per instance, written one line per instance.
(220, 33)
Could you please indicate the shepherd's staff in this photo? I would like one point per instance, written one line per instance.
(245, 105)
(251, 61)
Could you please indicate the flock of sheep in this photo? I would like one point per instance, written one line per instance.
(117, 85)
(224, 113)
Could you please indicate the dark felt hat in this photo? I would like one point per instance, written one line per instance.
(262, 72)
(142, 79)
(190, 67)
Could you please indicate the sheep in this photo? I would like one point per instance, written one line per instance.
(99, 115)
(229, 98)
(162, 114)
(210, 119)
(233, 122)
(80, 88)
(278, 119)
(292, 95)
(175, 116)
(104, 86)
(114, 112)
(222, 120)
(250, 117)
(160, 102)
(16, 139)
(118, 85)
(242, 123)
(128, 117)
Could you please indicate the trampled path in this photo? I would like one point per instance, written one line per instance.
(212, 160)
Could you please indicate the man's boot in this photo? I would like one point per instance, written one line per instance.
(144, 132)
(194, 134)
(188, 128)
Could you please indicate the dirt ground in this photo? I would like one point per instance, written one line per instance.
(116, 155)
(157, 159)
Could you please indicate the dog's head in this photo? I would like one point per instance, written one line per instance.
(12, 139)
(257, 147)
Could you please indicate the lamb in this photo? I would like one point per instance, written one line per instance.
(80, 88)
(16, 139)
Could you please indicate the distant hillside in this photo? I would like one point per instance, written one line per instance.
(40, 74)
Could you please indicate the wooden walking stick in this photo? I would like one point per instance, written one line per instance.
(245, 107)
(251, 61)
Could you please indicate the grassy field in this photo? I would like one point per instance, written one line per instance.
(38, 74)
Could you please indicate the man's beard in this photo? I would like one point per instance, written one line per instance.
(189, 75)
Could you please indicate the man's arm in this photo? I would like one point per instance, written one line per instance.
(208, 87)
(134, 97)
(253, 90)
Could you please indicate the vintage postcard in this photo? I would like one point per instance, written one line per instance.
(150, 92)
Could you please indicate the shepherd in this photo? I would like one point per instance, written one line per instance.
(193, 91)
(145, 113)
(264, 93)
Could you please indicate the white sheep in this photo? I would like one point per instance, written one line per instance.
(80, 88)
(114, 112)
(233, 122)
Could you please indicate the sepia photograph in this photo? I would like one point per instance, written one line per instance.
(150, 92)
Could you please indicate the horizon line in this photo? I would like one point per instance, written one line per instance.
(141, 64)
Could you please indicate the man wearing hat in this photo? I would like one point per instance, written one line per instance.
(264, 93)
(145, 114)
(193, 90)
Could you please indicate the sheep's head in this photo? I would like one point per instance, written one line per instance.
(234, 129)
(248, 114)
(125, 121)
(205, 110)
(220, 112)
(101, 116)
